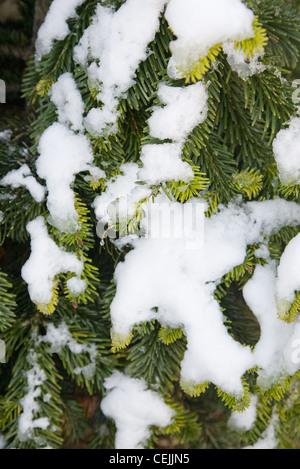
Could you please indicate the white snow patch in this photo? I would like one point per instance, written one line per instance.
(124, 35)
(22, 177)
(6, 135)
(184, 109)
(274, 351)
(27, 421)
(237, 61)
(180, 282)
(76, 285)
(245, 420)
(45, 262)
(288, 278)
(95, 174)
(286, 148)
(121, 195)
(60, 337)
(200, 24)
(163, 162)
(55, 26)
(134, 409)
(67, 98)
(63, 154)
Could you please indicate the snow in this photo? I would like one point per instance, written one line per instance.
(123, 35)
(6, 135)
(64, 151)
(60, 337)
(95, 174)
(262, 252)
(55, 26)
(45, 262)
(67, 98)
(22, 177)
(286, 147)
(245, 68)
(76, 285)
(180, 283)
(273, 354)
(135, 409)
(121, 195)
(184, 109)
(199, 25)
(27, 421)
(288, 278)
(47, 397)
(244, 421)
(62, 155)
(163, 163)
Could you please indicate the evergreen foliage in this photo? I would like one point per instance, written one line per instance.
(231, 156)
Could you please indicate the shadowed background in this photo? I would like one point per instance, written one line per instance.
(19, 23)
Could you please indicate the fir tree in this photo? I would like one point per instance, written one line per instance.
(128, 105)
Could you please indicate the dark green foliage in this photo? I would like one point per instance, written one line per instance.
(15, 47)
(149, 358)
